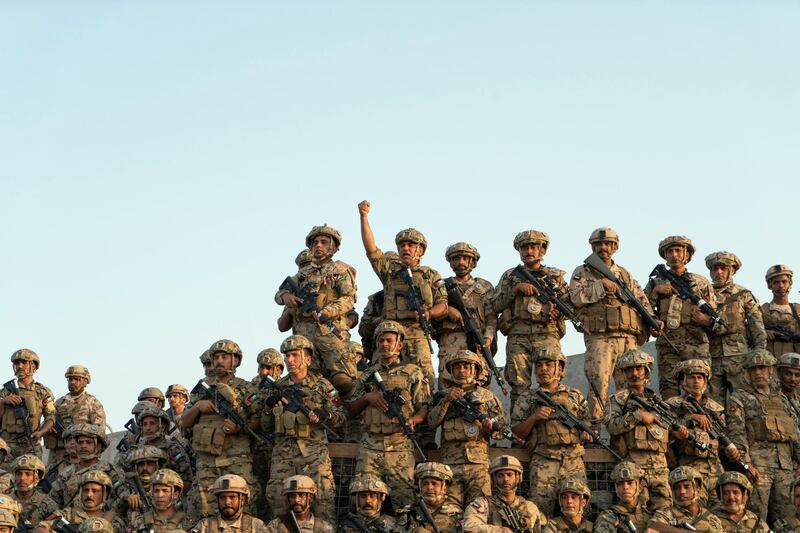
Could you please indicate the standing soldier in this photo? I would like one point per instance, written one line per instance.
(75, 407)
(763, 426)
(152, 395)
(781, 318)
(368, 493)
(743, 329)
(220, 445)
(611, 325)
(433, 480)
(270, 363)
(370, 319)
(487, 512)
(332, 286)
(28, 470)
(385, 450)
(301, 444)
(476, 293)
(686, 327)
(465, 442)
(556, 450)
(687, 484)
(733, 490)
(231, 492)
(531, 323)
(34, 400)
(178, 397)
(393, 273)
(573, 499)
(298, 499)
(629, 513)
(789, 380)
(166, 489)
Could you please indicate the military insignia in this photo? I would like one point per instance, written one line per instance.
(732, 408)
(438, 283)
(250, 399)
(656, 432)
(334, 397)
(471, 431)
(478, 286)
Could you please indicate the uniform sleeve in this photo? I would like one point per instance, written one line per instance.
(495, 408)
(583, 290)
(606, 522)
(661, 516)
(437, 412)
(345, 288)
(281, 292)
(97, 414)
(490, 328)
(618, 422)
(503, 296)
(359, 388)
(476, 518)
(755, 321)
(737, 428)
(380, 264)
(438, 288)
(332, 404)
(48, 404)
(522, 408)
(420, 391)
(639, 294)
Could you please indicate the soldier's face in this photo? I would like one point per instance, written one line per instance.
(463, 372)
(176, 400)
(6, 529)
(676, 256)
(684, 491)
(636, 375)
(627, 490)
(546, 371)
(532, 253)
(158, 402)
(695, 383)
(322, 247)
(790, 377)
(734, 497)
(26, 480)
(87, 446)
(164, 497)
(759, 375)
(92, 496)
(780, 285)
(410, 252)
(229, 504)
(571, 503)
(71, 446)
(369, 503)
(389, 344)
(721, 274)
(147, 468)
(296, 360)
(461, 264)
(76, 384)
(223, 363)
(23, 368)
(273, 371)
(150, 426)
(432, 490)
(604, 249)
(299, 502)
(505, 480)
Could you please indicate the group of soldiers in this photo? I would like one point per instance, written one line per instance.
(717, 448)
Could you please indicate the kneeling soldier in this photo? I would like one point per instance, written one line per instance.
(433, 480)
(629, 511)
(369, 492)
(687, 483)
(232, 493)
(573, 498)
(299, 492)
(734, 491)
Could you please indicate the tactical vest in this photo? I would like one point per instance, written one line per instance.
(318, 527)
(652, 439)
(296, 424)
(776, 425)
(474, 296)
(560, 524)
(395, 303)
(555, 433)
(611, 315)
(12, 424)
(495, 518)
(456, 429)
(321, 282)
(791, 321)
(674, 311)
(214, 524)
(375, 421)
(732, 310)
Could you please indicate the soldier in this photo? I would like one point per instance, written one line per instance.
(56, 469)
(368, 493)
(635, 432)
(781, 318)
(789, 379)
(94, 499)
(231, 492)
(153, 426)
(476, 293)
(693, 376)
(333, 285)
(208, 365)
(530, 323)
(487, 512)
(411, 246)
(75, 407)
(178, 397)
(687, 483)
(270, 363)
(370, 319)
(573, 500)
(152, 395)
(37, 399)
(630, 508)
(743, 330)
(465, 445)
(686, 327)
(385, 450)
(298, 493)
(28, 471)
(733, 490)
(763, 426)
(132, 436)
(352, 427)
(433, 480)
(166, 489)
(301, 444)
(145, 461)
(556, 450)
(612, 326)
(220, 445)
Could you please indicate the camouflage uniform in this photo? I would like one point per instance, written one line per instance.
(76, 515)
(561, 524)
(262, 450)
(446, 516)
(38, 505)
(690, 339)
(385, 451)
(41, 408)
(749, 523)
(370, 318)
(679, 515)
(314, 524)
(334, 285)
(395, 303)
(743, 331)
(787, 316)
(526, 320)
(242, 522)
(74, 409)
(611, 520)
(356, 521)
(176, 521)
(764, 428)
(300, 446)
(464, 445)
(74, 511)
(177, 456)
(611, 325)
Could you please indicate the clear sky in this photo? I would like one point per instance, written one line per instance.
(162, 163)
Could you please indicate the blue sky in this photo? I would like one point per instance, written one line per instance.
(162, 163)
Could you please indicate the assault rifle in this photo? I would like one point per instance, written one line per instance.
(547, 294)
(62, 525)
(292, 524)
(21, 413)
(470, 411)
(563, 415)
(147, 510)
(308, 304)
(682, 285)
(626, 526)
(471, 329)
(352, 522)
(224, 408)
(396, 402)
(717, 431)
(46, 483)
(59, 425)
(425, 514)
(510, 517)
(295, 402)
(784, 334)
(665, 416)
(414, 298)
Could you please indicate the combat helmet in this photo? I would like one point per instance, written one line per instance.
(724, 258)
(4, 448)
(167, 477)
(11, 505)
(604, 235)
(434, 470)
(147, 453)
(549, 354)
(356, 348)
(692, 366)
(778, 270)
(759, 357)
(738, 478)
(151, 392)
(575, 485)
(25, 354)
(78, 371)
(462, 248)
(91, 430)
(269, 357)
(789, 360)
(227, 346)
(626, 471)
(230, 483)
(8, 519)
(531, 236)
(296, 342)
(390, 326)
(326, 230)
(685, 473)
(205, 358)
(466, 356)
(28, 462)
(95, 524)
(303, 258)
(505, 462)
(154, 411)
(635, 357)
(299, 484)
(676, 240)
(177, 388)
(368, 483)
(411, 235)
(96, 476)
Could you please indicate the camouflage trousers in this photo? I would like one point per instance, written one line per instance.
(395, 468)
(727, 375)
(602, 352)
(291, 457)
(416, 351)
(332, 357)
(519, 367)
(668, 359)
(470, 481)
(262, 457)
(771, 494)
(209, 468)
(658, 494)
(546, 473)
